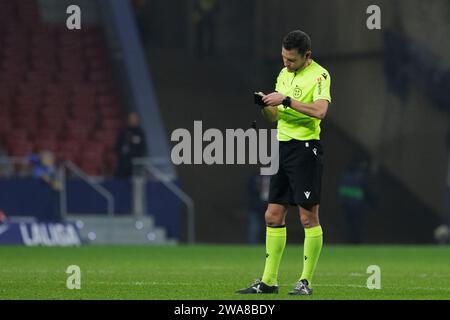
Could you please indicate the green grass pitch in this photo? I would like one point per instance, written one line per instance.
(216, 271)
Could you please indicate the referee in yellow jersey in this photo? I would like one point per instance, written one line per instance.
(299, 103)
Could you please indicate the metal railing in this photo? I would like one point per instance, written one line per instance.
(89, 180)
(149, 164)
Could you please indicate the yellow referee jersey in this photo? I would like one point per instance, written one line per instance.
(307, 85)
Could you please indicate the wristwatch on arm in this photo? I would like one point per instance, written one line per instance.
(286, 102)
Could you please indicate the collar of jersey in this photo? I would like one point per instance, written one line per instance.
(296, 73)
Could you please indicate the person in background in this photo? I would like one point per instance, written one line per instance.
(352, 196)
(205, 12)
(43, 167)
(130, 144)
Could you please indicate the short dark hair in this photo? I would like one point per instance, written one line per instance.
(297, 39)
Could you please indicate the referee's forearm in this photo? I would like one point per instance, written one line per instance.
(310, 109)
(270, 113)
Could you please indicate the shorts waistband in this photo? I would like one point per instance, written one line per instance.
(306, 143)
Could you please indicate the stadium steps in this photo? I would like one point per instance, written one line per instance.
(95, 229)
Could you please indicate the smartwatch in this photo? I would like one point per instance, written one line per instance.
(286, 102)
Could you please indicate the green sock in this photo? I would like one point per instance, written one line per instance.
(311, 251)
(275, 243)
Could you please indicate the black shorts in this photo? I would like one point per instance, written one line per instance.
(299, 177)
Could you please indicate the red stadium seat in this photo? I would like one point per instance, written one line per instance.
(90, 168)
(11, 77)
(56, 89)
(54, 122)
(98, 76)
(5, 128)
(69, 150)
(21, 149)
(109, 111)
(56, 102)
(83, 89)
(29, 89)
(105, 100)
(46, 144)
(5, 101)
(81, 124)
(70, 77)
(93, 157)
(107, 137)
(39, 76)
(18, 135)
(111, 124)
(91, 147)
(48, 134)
(77, 134)
(28, 123)
(104, 88)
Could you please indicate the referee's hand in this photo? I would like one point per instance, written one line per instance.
(273, 99)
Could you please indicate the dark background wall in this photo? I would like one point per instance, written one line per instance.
(408, 156)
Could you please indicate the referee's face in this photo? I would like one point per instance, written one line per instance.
(293, 60)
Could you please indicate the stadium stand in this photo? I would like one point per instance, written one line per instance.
(56, 90)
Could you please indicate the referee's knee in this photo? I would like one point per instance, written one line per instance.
(309, 221)
(306, 222)
(274, 218)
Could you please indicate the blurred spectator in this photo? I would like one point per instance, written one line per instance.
(43, 167)
(130, 144)
(353, 195)
(259, 195)
(205, 12)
